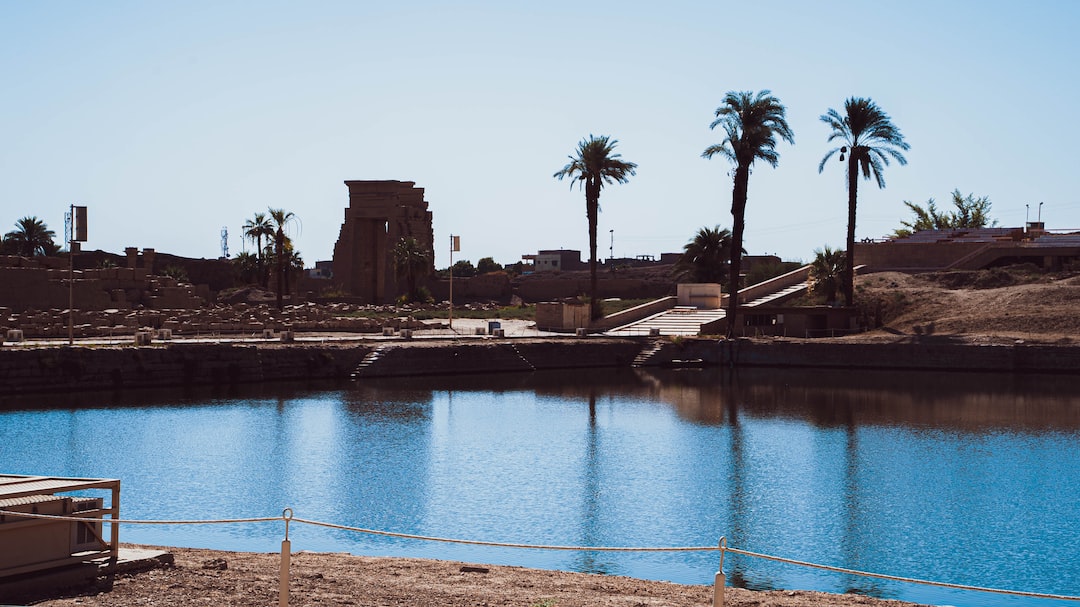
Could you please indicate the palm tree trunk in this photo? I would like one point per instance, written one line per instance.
(258, 260)
(738, 210)
(849, 256)
(279, 250)
(592, 204)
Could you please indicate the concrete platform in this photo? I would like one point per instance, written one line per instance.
(40, 585)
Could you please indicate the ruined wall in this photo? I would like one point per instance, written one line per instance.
(379, 214)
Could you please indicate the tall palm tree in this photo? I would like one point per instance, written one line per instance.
(706, 257)
(751, 125)
(281, 220)
(595, 166)
(255, 229)
(869, 139)
(31, 237)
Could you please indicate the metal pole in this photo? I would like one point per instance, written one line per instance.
(451, 282)
(720, 580)
(286, 557)
(71, 281)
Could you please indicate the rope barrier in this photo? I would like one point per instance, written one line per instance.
(287, 517)
(447, 540)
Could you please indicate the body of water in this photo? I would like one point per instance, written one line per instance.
(963, 478)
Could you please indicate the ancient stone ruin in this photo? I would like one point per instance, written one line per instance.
(380, 213)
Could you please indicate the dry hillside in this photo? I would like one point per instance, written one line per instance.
(986, 306)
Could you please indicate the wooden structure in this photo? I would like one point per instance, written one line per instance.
(34, 544)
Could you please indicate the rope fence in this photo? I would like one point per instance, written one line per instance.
(719, 581)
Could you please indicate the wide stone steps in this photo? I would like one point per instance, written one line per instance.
(676, 321)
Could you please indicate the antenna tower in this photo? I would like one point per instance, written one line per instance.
(225, 242)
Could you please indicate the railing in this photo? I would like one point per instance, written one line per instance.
(288, 518)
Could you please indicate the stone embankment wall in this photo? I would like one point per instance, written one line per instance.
(916, 356)
(27, 370)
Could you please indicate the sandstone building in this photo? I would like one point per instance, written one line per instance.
(379, 215)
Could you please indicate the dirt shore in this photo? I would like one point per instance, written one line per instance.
(209, 577)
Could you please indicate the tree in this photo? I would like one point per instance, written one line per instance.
(970, 212)
(826, 271)
(31, 237)
(595, 166)
(411, 261)
(751, 125)
(869, 138)
(463, 268)
(487, 264)
(281, 220)
(247, 266)
(255, 229)
(706, 257)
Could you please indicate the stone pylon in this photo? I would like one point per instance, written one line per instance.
(380, 213)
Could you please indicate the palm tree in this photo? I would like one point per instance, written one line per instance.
(826, 271)
(31, 237)
(595, 166)
(410, 262)
(869, 138)
(706, 257)
(751, 124)
(281, 220)
(247, 267)
(255, 229)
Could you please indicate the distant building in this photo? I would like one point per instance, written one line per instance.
(322, 269)
(562, 260)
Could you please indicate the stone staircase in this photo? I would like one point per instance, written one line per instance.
(676, 321)
(643, 357)
(362, 369)
(778, 296)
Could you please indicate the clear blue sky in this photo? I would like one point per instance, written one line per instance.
(173, 120)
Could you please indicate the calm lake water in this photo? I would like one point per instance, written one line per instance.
(964, 478)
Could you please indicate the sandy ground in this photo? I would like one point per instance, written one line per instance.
(207, 577)
(978, 307)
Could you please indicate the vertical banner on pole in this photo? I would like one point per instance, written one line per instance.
(80, 224)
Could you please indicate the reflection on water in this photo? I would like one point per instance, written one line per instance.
(965, 478)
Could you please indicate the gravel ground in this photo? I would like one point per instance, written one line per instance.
(209, 577)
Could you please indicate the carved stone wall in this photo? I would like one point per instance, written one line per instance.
(379, 214)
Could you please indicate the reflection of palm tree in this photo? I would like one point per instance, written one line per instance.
(869, 138)
(706, 257)
(751, 124)
(591, 488)
(255, 229)
(31, 237)
(595, 165)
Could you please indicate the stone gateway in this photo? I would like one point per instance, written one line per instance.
(379, 215)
